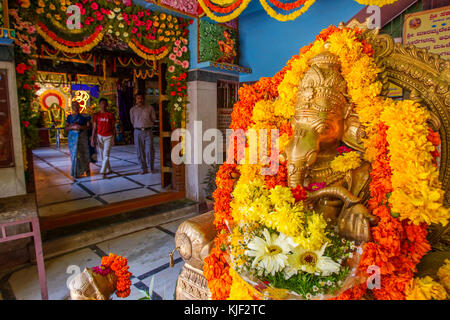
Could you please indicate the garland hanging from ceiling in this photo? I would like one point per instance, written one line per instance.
(378, 3)
(227, 10)
(151, 35)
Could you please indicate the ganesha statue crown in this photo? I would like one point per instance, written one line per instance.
(323, 88)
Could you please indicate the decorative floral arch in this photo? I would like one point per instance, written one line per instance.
(153, 36)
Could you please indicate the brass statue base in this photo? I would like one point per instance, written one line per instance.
(192, 285)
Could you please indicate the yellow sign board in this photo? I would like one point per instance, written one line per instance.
(429, 30)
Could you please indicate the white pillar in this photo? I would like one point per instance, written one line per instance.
(202, 107)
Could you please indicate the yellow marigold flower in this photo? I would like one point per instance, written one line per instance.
(444, 275)
(281, 196)
(286, 219)
(345, 162)
(314, 235)
(52, 6)
(241, 290)
(425, 289)
(417, 192)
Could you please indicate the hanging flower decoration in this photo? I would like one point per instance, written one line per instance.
(378, 3)
(187, 6)
(291, 16)
(223, 18)
(231, 9)
(397, 174)
(287, 6)
(223, 9)
(26, 71)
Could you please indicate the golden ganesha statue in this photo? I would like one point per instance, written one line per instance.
(323, 121)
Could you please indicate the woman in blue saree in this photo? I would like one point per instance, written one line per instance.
(78, 125)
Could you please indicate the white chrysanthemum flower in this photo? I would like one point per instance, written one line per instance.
(270, 253)
(313, 261)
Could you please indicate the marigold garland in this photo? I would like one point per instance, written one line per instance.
(287, 6)
(378, 3)
(345, 162)
(223, 2)
(71, 47)
(292, 16)
(417, 194)
(146, 56)
(225, 9)
(225, 18)
(120, 267)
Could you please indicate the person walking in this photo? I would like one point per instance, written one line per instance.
(78, 125)
(104, 132)
(143, 117)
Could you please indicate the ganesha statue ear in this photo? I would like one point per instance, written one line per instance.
(353, 132)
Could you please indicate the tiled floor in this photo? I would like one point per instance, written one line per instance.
(57, 194)
(147, 252)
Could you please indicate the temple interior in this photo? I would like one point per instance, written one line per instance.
(224, 150)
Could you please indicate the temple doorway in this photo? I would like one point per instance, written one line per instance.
(113, 72)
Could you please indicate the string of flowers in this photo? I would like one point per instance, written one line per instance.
(287, 6)
(291, 16)
(378, 3)
(226, 9)
(26, 71)
(225, 18)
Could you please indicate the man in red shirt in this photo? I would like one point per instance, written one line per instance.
(104, 130)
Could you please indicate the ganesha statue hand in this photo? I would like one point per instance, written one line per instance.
(323, 121)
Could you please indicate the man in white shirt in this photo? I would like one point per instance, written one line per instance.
(143, 117)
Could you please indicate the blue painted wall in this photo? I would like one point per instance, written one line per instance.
(267, 44)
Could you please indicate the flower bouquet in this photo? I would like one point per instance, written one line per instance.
(285, 251)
